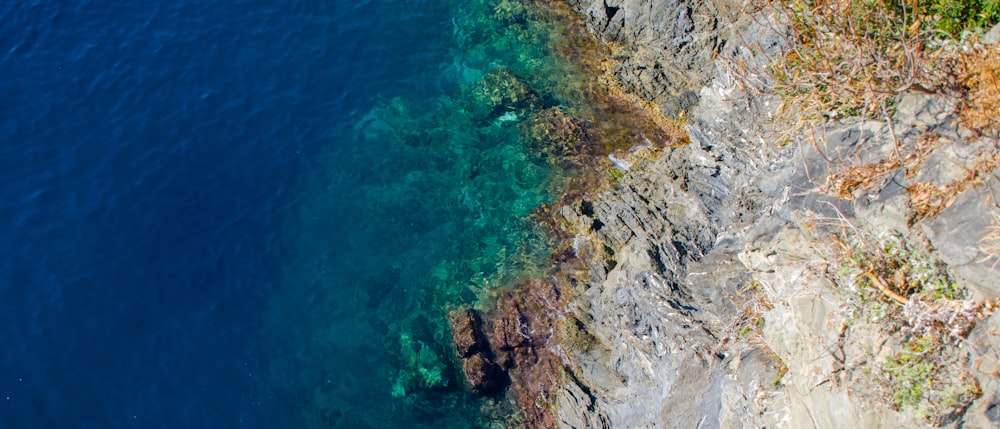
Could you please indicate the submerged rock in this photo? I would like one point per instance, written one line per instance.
(482, 374)
(501, 92)
(554, 132)
(510, 12)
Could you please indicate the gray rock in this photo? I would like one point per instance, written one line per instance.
(922, 110)
(686, 234)
(666, 47)
(957, 233)
(985, 413)
(950, 163)
(993, 36)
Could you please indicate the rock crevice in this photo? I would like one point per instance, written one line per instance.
(711, 295)
(723, 307)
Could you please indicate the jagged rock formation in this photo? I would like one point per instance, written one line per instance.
(714, 294)
(482, 374)
(662, 296)
(663, 50)
(694, 250)
(519, 338)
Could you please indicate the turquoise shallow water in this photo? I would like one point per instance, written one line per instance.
(256, 213)
(422, 203)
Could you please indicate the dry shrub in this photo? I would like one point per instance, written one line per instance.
(949, 320)
(844, 183)
(981, 110)
(852, 57)
(928, 200)
(749, 321)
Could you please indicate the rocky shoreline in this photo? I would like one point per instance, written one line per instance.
(710, 284)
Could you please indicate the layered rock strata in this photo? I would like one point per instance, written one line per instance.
(732, 232)
(710, 293)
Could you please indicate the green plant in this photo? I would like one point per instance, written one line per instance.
(958, 396)
(955, 16)
(852, 57)
(756, 323)
(897, 286)
(892, 269)
(912, 371)
(917, 380)
(615, 173)
(909, 374)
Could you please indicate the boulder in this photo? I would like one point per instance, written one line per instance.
(483, 376)
(465, 332)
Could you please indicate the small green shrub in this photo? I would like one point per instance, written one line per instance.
(897, 286)
(956, 16)
(899, 267)
(917, 380)
(756, 323)
(910, 374)
(958, 396)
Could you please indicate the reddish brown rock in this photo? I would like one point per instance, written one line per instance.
(465, 332)
(536, 386)
(516, 348)
(522, 329)
(483, 376)
(526, 315)
(508, 329)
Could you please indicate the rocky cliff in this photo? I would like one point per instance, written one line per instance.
(723, 286)
(762, 274)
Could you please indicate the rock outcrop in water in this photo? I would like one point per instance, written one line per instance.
(554, 132)
(716, 293)
(482, 374)
(501, 93)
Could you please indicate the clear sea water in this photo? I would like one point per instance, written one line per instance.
(256, 213)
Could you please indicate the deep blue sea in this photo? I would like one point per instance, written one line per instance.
(255, 213)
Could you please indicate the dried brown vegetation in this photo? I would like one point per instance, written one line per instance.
(990, 243)
(928, 200)
(851, 58)
(981, 110)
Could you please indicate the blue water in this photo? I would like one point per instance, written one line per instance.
(150, 153)
(253, 213)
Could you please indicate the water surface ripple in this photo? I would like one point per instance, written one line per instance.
(152, 155)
